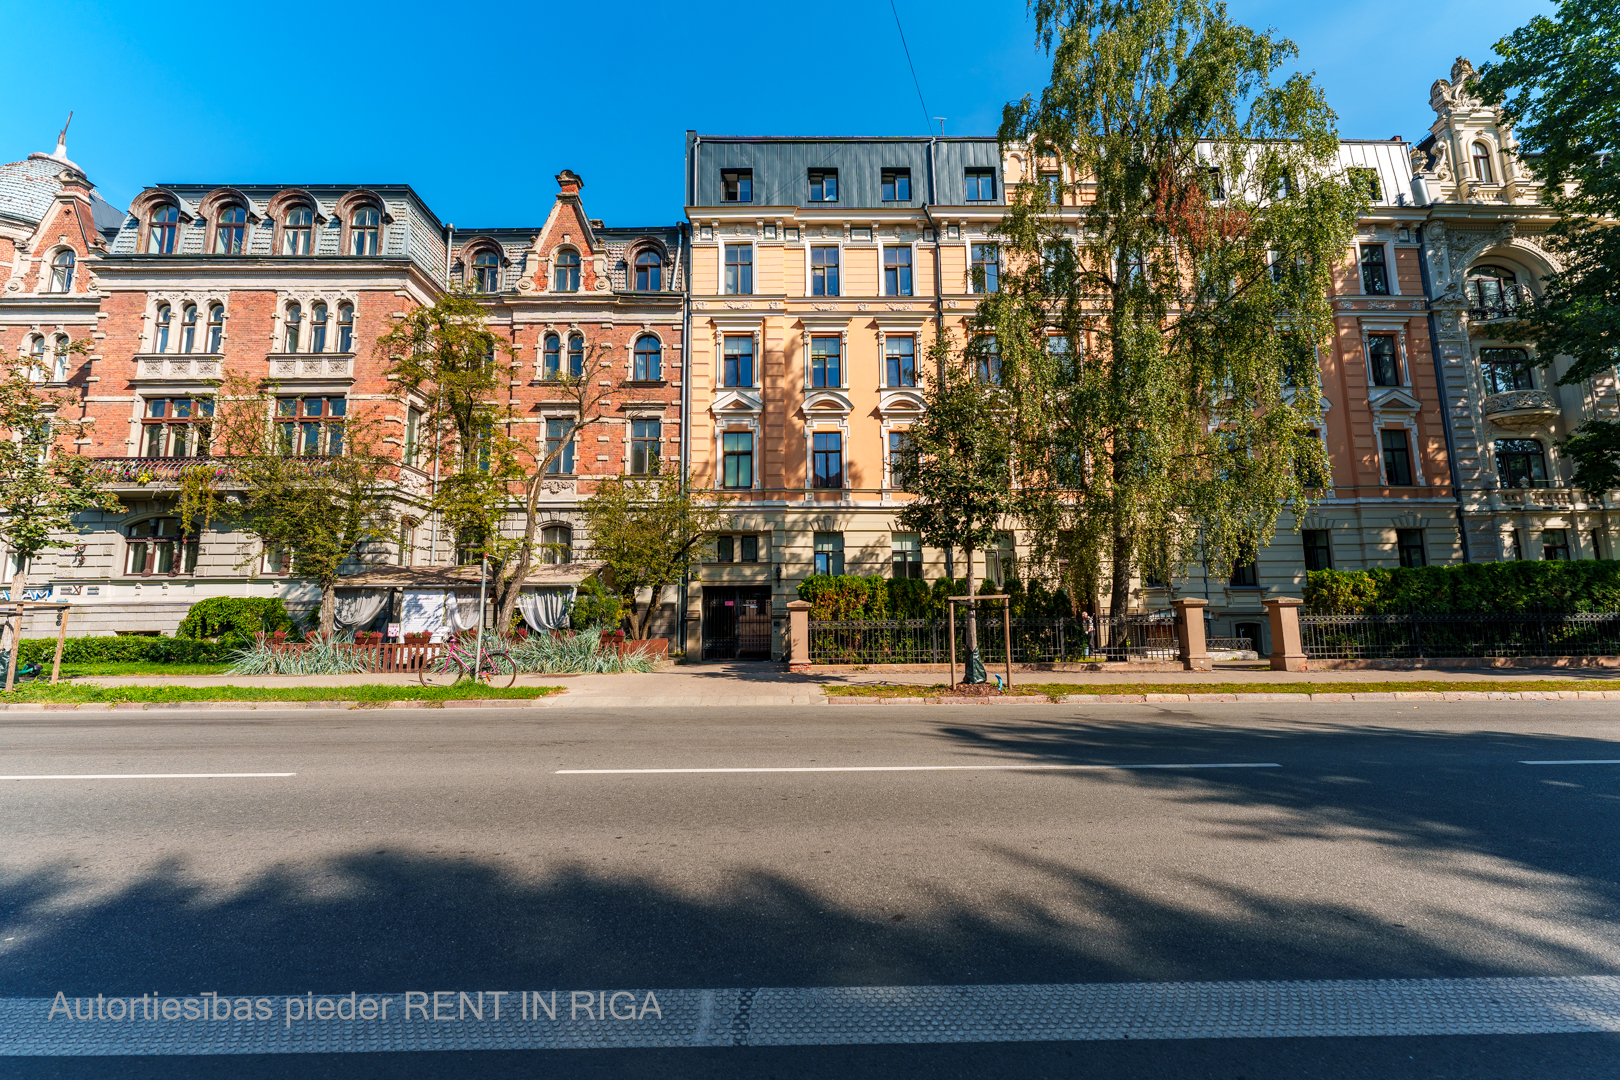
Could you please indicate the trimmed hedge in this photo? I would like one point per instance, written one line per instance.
(849, 598)
(126, 649)
(1468, 588)
(235, 617)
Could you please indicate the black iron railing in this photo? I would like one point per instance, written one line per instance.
(1415, 636)
(1034, 641)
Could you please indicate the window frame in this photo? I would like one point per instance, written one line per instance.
(889, 183)
(737, 185)
(214, 341)
(230, 230)
(905, 557)
(1555, 540)
(990, 281)
(1375, 370)
(827, 460)
(1380, 283)
(566, 270)
(162, 320)
(1411, 548)
(1399, 464)
(974, 179)
(556, 543)
(1324, 550)
(898, 270)
(824, 275)
(647, 364)
(162, 229)
(365, 234)
(319, 320)
(63, 265)
(734, 458)
(184, 549)
(563, 464)
(1533, 461)
(1484, 166)
(299, 425)
(817, 185)
(1490, 369)
(167, 424)
(648, 270)
(734, 272)
(486, 271)
(646, 449)
(292, 326)
(896, 362)
(293, 231)
(896, 446)
(731, 372)
(827, 550)
(826, 368)
(345, 327)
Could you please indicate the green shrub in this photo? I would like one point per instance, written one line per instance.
(126, 649)
(234, 619)
(595, 606)
(846, 596)
(1469, 588)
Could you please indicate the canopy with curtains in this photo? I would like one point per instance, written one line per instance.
(546, 609)
(357, 609)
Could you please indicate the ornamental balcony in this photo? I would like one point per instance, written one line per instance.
(1489, 301)
(1521, 410)
(1527, 494)
(154, 474)
(182, 367)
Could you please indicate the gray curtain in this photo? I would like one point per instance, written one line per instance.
(359, 608)
(546, 610)
(461, 612)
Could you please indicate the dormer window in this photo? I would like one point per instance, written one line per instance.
(365, 231)
(487, 271)
(567, 271)
(298, 232)
(1482, 164)
(317, 328)
(649, 272)
(62, 271)
(345, 328)
(295, 326)
(162, 229)
(230, 234)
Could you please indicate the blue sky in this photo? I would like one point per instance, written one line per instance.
(478, 105)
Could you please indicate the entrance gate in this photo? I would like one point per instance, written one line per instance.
(736, 622)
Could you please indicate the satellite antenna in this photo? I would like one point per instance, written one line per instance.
(941, 120)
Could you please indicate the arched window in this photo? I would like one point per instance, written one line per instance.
(36, 359)
(649, 362)
(487, 271)
(298, 232)
(216, 328)
(649, 271)
(567, 275)
(576, 355)
(157, 546)
(1482, 164)
(295, 326)
(365, 230)
(62, 270)
(317, 328)
(230, 235)
(1492, 291)
(557, 544)
(345, 328)
(160, 329)
(188, 328)
(59, 358)
(162, 228)
(551, 357)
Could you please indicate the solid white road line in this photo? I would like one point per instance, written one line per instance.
(1576, 761)
(929, 768)
(149, 776)
(802, 1016)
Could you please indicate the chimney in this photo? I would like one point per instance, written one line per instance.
(569, 183)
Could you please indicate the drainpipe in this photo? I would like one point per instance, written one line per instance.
(1440, 387)
(939, 245)
(433, 533)
(683, 259)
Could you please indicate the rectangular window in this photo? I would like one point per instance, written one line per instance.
(986, 268)
(897, 271)
(176, 427)
(826, 368)
(899, 459)
(1245, 575)
(311, 426)
(827, 459)
(1555, 545)
(1365, 182)
(1597, 545)
(725, 549)
(1517, 548)
(829, 553)
(739, 269)
(644, 445)
(987, 362)
(1381, 358)
(738, 362)
(823, 271)
(737, 459)
(1409, 543)
(1318, 551)
(896, 185)
(1504, 370)
(556, 431)
(1374, 272)
(981, 185)
(743, 548)
(1397, 458)
(823, 185)
(1052, 184)
(413, 435)
(901, 357)
(1521, 463)
(907, 556)
(737, 185)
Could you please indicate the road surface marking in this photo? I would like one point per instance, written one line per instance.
(927, 768)
(149, 776)
(606, 1017)
(1576, 761)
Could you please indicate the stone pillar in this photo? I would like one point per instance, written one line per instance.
(1190, 633)
(1286, 653)
(798, 635)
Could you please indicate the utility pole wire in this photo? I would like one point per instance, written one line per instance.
(914, 81)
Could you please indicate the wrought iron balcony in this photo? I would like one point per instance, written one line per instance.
(1493, 303)
(133, 473)
(1521, 410)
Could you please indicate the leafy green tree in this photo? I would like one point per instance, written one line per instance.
(957, 464)
(318, 510)
(1156, 332)
(1558, 83)
(43, 485)
(648, 532)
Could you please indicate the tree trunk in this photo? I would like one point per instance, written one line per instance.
(12, 632)
(972, 608)
(328, 615)
(642, 627)
(1119, 595)
(525, 558)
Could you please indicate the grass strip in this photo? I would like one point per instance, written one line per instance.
(78, 693)
(142, 667)
(1055, 691)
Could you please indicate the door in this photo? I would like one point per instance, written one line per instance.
(736, 622)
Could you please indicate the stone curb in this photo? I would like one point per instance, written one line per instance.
(278, 706)
(1182, 699)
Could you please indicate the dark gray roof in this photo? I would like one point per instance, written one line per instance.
(781, 168)
(27, 189)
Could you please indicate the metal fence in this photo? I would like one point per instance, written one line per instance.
(1034, 641)
(1414, 636)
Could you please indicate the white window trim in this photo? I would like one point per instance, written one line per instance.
(753, 262)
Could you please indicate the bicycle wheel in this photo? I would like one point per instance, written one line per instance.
(442, 671)
(498, 669)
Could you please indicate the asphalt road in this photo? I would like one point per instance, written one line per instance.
(445, 849)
